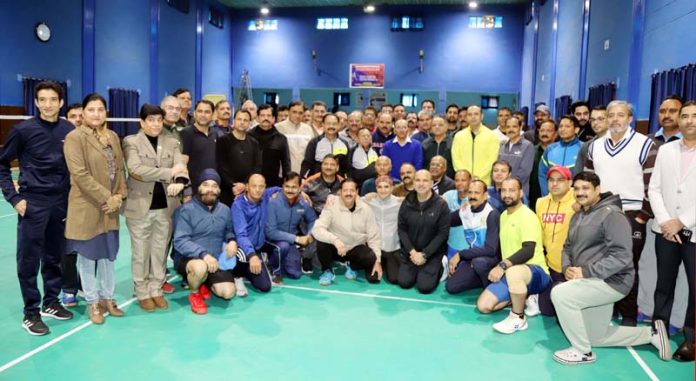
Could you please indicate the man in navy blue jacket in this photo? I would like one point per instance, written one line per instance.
(285, 215)
(41, 204)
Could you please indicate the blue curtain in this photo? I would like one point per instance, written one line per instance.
(123, 103)
(601, 95)
(680, 81)
(563, 106)
(29, 95)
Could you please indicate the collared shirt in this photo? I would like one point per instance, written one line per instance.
(660, 138)
(396, 140)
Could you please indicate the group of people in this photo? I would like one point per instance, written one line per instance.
(550, 219)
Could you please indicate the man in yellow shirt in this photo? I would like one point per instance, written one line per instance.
(523, 269)
(554, 211)
(475, 148)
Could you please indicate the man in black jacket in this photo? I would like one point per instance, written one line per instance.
(424, 222)
(275, 154)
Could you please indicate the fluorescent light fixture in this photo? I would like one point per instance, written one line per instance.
(265, 10)
(369, 8)
(473, 5)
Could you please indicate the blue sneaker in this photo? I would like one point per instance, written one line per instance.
(350, 274)
(69, 300)
(327, 278)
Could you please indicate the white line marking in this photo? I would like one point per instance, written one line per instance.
(642, 364)
(8, 215)
(64, 336)
(377, 296)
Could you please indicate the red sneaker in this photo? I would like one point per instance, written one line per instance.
(167, 288)
(198, 305)
(204, 291)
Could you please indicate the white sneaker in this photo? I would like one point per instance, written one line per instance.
(572, 356)
(241, 288)
(660, 340)
(511, 324)
(531, 305)
(445, 269)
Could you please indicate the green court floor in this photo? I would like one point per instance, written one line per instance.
(300, 331)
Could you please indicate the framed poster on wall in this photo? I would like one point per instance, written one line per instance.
(367, 76)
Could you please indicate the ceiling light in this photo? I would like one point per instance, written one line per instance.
(265, 10)
(473, 5)
(369, 8)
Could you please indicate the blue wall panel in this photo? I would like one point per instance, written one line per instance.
(544, 64)
(22, 53)
(569, 47)
(176, 49)
(527, 66)
(216, 55)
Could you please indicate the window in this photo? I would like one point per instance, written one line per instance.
(485, 22)
(332, 23)
(341, 99)
(489, 101)
(407, 23)
(216, 18)
(261, 24)
(409, 100)
(271, 98)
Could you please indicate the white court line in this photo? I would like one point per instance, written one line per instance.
(377, 296)
(64, 336)
(642, 364)
(8, 215)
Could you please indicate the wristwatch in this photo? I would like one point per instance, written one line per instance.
(503, 265)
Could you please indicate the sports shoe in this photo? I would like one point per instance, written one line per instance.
(277, 280)
(511, 324)
(445, 269)
(643, 317)
(327, 278)
(69, 300)
(572, 356)
(307, 267)
(168, 288)
(34, 325)
(242, 291)
(531, 305)
(56, 311)
(198, 305)
(660, 340)
(204, 291)
(350, 274)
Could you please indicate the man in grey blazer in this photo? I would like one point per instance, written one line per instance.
(156, 175)
(672, 192)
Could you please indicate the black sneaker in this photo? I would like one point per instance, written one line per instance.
(307, 267)
(34, 325)
(57, 311)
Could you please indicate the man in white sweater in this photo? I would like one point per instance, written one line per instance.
(346, 231)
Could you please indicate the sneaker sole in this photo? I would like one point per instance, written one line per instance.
(523, 328)
(665, 350)
(566, 362)
(70, 305)
(34, 333)
(54, 316)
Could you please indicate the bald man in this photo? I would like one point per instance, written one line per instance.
(424, 222)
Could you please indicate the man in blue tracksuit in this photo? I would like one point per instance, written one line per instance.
(563, 152)
(284, 215)
(41, 203)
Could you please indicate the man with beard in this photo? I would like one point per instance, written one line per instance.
(542, 114)
(384, 132)
(624, 160)
(668, 118)
(275, 153)
(523, 269)
(238, 155)
(581, 111)
(407, 172)
(451, 115)
(480, 223)
(597, 264)
(547, 135)
(600, 126)
(424, 222)
(172, 111)
(346, 231)
(223, 113)
(203, 228)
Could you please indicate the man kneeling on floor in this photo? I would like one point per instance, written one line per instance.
(346, 231)
(598, 264)
(203, 226)
(523, 269)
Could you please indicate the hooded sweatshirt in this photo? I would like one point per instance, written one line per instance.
(600, 243)
(555, 222)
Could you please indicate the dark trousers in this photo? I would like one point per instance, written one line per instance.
(669, 256)
(260, 281)
(285, 258)
(425, 277)
(471, 274)
(40, 246)
(628, 306)
(71, 281)
(390, 265)
(360, 257)
(545, 304)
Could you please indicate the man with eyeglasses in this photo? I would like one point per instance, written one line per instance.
(172, 111)
(599, 124)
